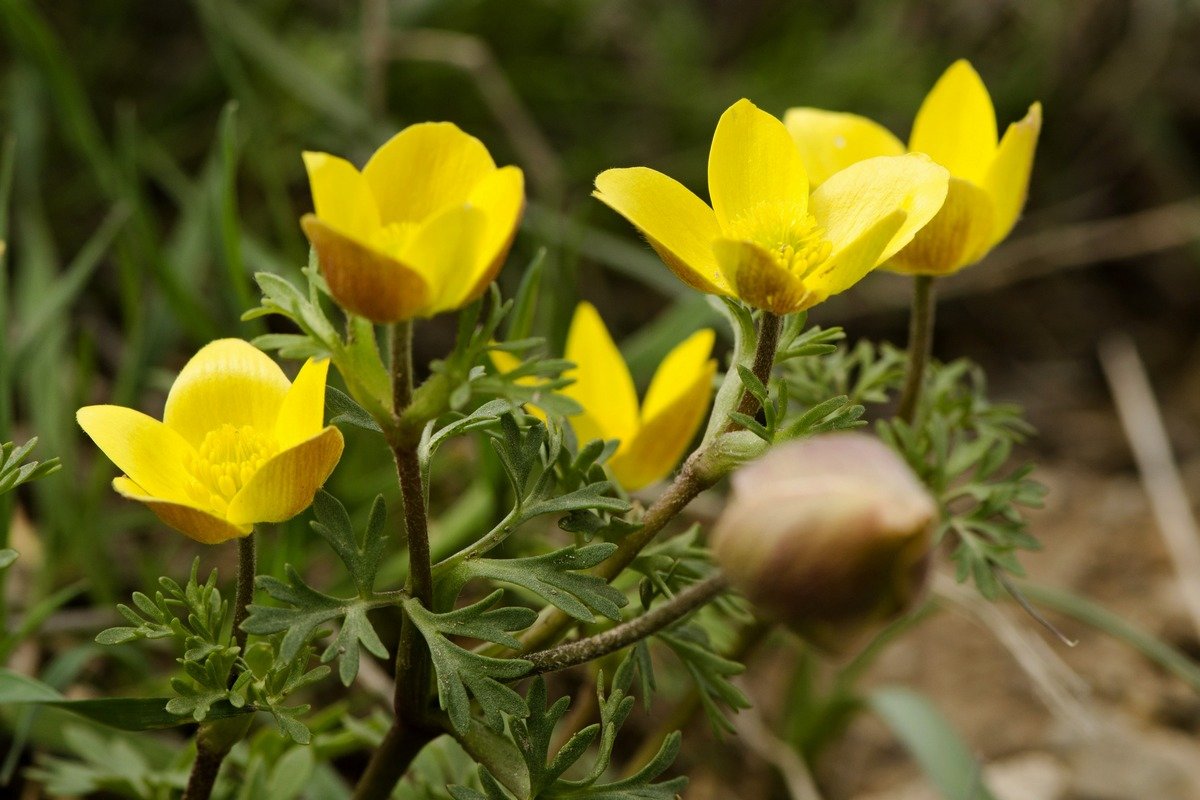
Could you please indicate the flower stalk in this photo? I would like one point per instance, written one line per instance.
(920, 344)
(216, 738)
(410, 731)
(584, 650)
(769, 328)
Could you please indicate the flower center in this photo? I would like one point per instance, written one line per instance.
(792, 237)
(226, 461)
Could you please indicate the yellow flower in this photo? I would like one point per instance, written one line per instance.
(654, 437)
(766, 240)
(424, 228)
(239, 444)
(956, 127)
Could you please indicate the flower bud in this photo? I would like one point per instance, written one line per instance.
(830, 535)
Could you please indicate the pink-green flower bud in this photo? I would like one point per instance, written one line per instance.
(830, 535)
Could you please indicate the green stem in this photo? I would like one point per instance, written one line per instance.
(411, 729)
(247, 566)
(769, 327)
(690, 482)
(215, 739)
(585, 650)
(920, 343)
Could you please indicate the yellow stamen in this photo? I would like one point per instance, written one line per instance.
(227, 459)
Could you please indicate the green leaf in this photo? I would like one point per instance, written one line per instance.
(936, 746)
(711, 673)
(360, 557)
(556, 578)
(305, 610)
(460, 671)
(343, 410)
(15, 470)
(520, 319)
(7, 557)
(128, 714)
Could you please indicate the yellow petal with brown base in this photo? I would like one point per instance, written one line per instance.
(830, 141)
(753, 165)
(957, 237)
(195, 523)
(425, 168)
(956, 124)
(363, 280)
(758, 279)
(444, 251)
(676, 223)
(285, 485)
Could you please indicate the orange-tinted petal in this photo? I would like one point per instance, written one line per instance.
(195, 523)
(286, 484)
(957, 237)
(758, 279)
(365, 281)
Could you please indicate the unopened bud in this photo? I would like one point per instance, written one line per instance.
(830, 535)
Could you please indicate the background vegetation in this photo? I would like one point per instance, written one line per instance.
(151, 164)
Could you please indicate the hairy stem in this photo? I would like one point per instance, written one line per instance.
(687, 484)
(627, 633)
(920, 343)
(247, 566)
(410, 731)
(215, 739)
(769, 327)
(204, 774)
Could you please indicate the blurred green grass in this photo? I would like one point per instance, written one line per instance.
(155, 165)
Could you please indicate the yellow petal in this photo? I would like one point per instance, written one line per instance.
(957, 237)
(674, 409)
(192, 522)
(854, 200)
(1007, 180)
(676, 223)
(853, 262)
(285, 485)
(678, 371)
(603, 385)
(754, 168)
(303, 412)
(444, 251)
(425, 168)
(143, 448)
(501, 196)
(228, 381)
(758, 279)
(341, 196)
(363, 280)
(830, 141)
(956, 125)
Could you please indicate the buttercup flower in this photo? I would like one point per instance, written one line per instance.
(956, 127)
(830, 535)
(424, 228)
(765, 240)
(239, 444)
(654, 437)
